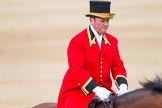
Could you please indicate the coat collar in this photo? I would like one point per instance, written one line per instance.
(92, 38)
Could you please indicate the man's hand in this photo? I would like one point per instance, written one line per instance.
(101, 92)
(122, 89)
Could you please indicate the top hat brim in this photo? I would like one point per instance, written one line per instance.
(101, 15)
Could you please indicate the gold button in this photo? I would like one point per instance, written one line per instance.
(101, 67)
(78, 84)
(101, 62)
(101, 76)
(101, 71)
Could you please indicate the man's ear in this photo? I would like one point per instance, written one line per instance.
(91, 20)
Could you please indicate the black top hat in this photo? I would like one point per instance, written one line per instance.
(100, 9)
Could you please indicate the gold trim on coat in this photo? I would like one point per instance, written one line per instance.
(85, 91)
(92, 39)
(120, 76)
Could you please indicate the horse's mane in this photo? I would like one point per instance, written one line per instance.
(155, 85)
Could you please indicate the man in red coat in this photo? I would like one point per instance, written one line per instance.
(93, 56)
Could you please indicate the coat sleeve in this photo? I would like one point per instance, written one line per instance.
(77, 67)
(118, 70)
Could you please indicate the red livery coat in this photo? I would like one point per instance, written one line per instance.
(89, 66)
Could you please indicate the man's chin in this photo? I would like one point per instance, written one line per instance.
(103, 31)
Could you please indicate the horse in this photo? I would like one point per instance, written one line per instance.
(149, 96)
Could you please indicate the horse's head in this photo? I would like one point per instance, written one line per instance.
(97, 103)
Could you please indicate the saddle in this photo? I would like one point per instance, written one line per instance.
(97, 103)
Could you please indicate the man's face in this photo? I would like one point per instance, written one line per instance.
(99, 24)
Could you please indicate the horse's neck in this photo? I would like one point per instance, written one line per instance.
(139, 99)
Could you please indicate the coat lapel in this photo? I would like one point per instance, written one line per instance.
(92, 40)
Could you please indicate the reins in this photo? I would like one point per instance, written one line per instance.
(106, 104)
(109, 104)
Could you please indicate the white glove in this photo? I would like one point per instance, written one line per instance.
(101, 92)
(122, 89)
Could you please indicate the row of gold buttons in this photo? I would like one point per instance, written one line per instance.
(101, 70)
